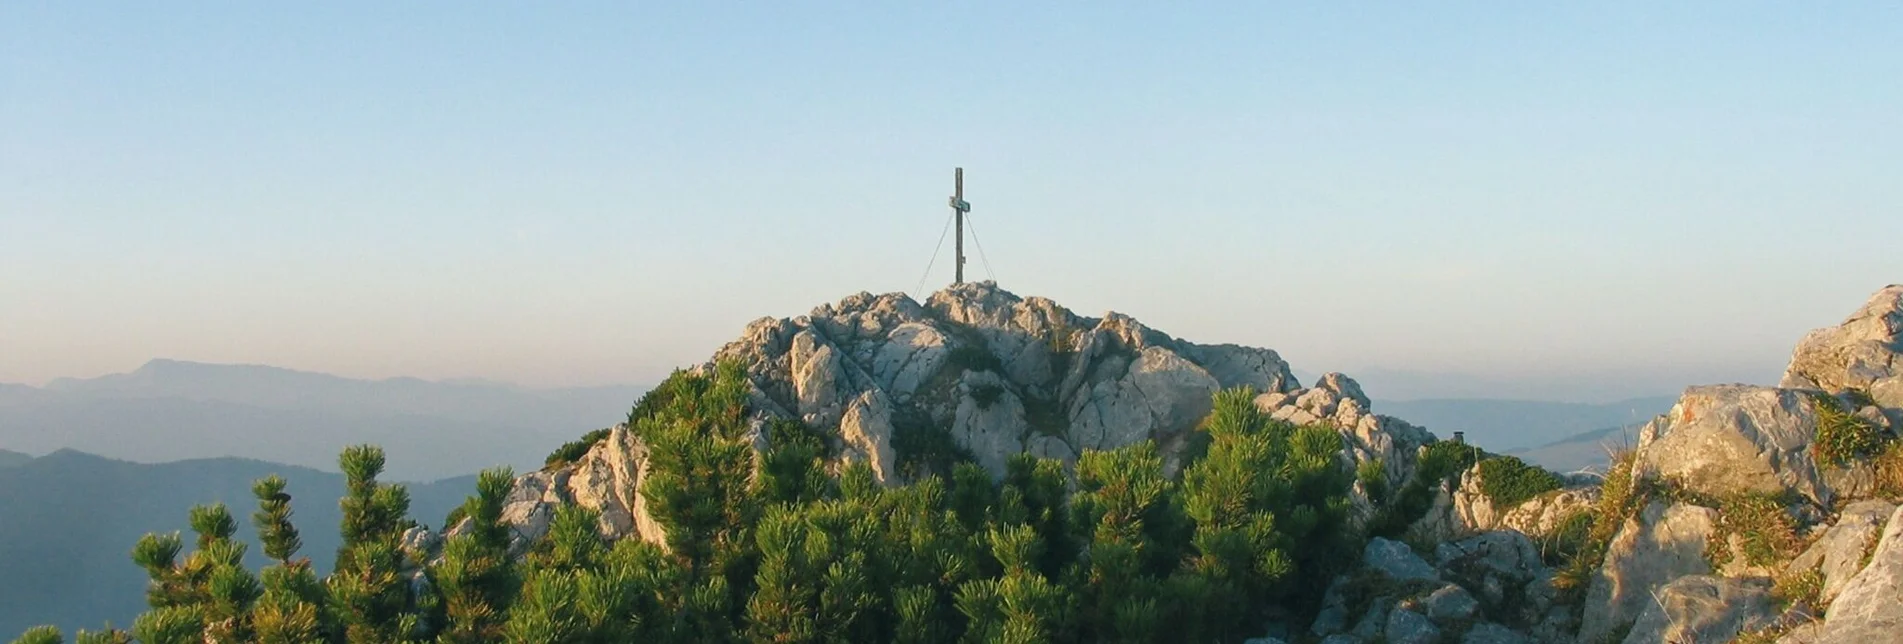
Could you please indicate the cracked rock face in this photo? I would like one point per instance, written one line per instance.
(1659, 545)
(1862, 353)
(1726, 439)
(1838, 554)
(604, 480)
(1869, 608)
(1702, 608)
(1000, 373)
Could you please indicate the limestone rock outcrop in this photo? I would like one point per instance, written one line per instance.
(1005, 374)
(1726, 439)
(1702, 608)
(1838, 554)
(1870, 608)
(604, 480)
(1861, 354)
(1661, 544)
(1338, 401)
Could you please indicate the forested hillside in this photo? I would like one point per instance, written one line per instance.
(778, 549)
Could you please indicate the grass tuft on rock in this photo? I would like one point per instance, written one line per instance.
(1765, 530)
(1619, 499)
(1842, 436)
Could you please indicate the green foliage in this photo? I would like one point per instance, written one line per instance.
(1373, 477)
(368, 592)
(475, 579)
(1843, 437)
(1440, 462)
(1619, 499)
(1888, 468)
(793, 469)
(1799, 589)
(1567, 539)
(572, 451)
(41, 635)
(273, 519)
(986, 395)
(924, 448)
(1045, 416)
(108, 636)
(1129, 513)
(973, 357)
(170, 625)
(1508, 481)
(1269, 504)
(769, 546)
(1763, 526)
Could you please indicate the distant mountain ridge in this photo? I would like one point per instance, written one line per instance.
(1505, 425)
(69, 519)
(171, 410)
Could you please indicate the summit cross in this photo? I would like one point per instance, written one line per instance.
(959, 208)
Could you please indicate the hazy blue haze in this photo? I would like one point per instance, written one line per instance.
(1639, 195)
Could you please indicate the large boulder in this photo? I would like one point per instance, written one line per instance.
(1726, 439)
(1504, 569)
(1663, 543)
(1870, 608)
(1703, 608)
(1396, 561)
(1860, 354)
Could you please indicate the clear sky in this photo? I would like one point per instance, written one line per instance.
(579, 193)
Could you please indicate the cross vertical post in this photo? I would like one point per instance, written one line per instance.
(959, 208)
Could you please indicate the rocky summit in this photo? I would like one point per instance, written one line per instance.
(1746, 513)
(997, 374)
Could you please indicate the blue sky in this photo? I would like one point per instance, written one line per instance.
(1630, 195)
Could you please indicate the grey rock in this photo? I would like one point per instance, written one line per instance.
(604, 480)
(993, 429)
(1503, 553)
(1702, 608)
(1450, 604)
(1333, 617)
(1806, 633)
(1409, 627)
(866, 430)
(1504, 569)
(1374, 622)
(1343, 638)
(1725, 439)
(1659, 545)
(421, 542)
(1396, 560)
(1005, 374)
(1861, 353)
(1870, 608)
(1490, 633)
(1838, 554)
(1264, 640)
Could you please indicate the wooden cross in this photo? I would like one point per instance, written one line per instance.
(959, 208)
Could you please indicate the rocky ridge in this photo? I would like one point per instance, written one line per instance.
(1000, 375)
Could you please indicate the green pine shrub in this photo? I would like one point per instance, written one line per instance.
(1440, 462)
(1508, 481)
(772, 546)
(973, 357)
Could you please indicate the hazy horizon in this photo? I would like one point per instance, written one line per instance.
(1621, 197)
